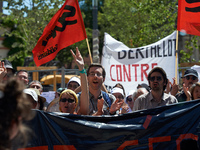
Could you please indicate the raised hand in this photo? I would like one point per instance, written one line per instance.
(172, 87)
(116, 106)
(175, 88)
(187, 92)
(78, 59)
(124, 109)
(99, 107)
(3, 70)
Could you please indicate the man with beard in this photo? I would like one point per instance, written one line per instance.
(157, 79)
(190, 77)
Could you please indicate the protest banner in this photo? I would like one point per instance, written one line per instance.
(130, 66)
(189, 17)
(162, 128)
(65, 28)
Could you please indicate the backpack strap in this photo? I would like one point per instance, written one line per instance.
(106, 98)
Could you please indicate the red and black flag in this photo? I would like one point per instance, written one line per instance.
(65, 28)
(189, 16)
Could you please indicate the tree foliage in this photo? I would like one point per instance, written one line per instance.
(134, 22)
(31, 17)
(191, 45)
(138, 22)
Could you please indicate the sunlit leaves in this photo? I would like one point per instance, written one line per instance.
(138, 22)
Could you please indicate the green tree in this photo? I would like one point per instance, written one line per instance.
(190, 45)
(31, 17)
(13, 42)
(138, 22)
(133, 22)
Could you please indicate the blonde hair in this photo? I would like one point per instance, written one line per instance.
(70, 92)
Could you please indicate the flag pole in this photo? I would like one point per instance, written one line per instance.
(176, 63)
(89, 50)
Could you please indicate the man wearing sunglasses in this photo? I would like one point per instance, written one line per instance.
(157, 79)
(190, 77)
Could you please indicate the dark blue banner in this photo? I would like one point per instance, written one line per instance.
(161, 128)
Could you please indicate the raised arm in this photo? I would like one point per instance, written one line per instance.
(84, 98)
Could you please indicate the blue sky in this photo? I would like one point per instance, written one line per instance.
(5, 11)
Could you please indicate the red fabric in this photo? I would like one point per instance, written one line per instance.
(65, 28)
(189, 17)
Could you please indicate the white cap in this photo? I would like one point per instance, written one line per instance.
(130, 93)
(32, 93)
(117, 90)
(74, 79)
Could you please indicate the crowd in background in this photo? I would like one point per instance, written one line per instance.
(86, 95)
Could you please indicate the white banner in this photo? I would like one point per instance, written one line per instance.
(130, 66)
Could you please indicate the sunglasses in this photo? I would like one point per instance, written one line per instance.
(190, 77)
(69, 100)
(158, 78)
(129, 99)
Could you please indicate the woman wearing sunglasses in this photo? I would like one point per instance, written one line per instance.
(68, 101)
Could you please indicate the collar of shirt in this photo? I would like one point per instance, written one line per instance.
(164, 96)
(92, 96)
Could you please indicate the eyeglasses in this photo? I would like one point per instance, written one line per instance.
(67, 99)
(158, 78)
(190, 77)
(129, 99)
(92, 74)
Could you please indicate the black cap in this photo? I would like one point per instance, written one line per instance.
(191, 72)
(7, 64)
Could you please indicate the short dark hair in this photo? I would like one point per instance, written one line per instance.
(22, 70)
(189, 144)
(162, 72)
(97, 65)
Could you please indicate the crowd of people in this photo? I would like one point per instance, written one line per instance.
(86, 95)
